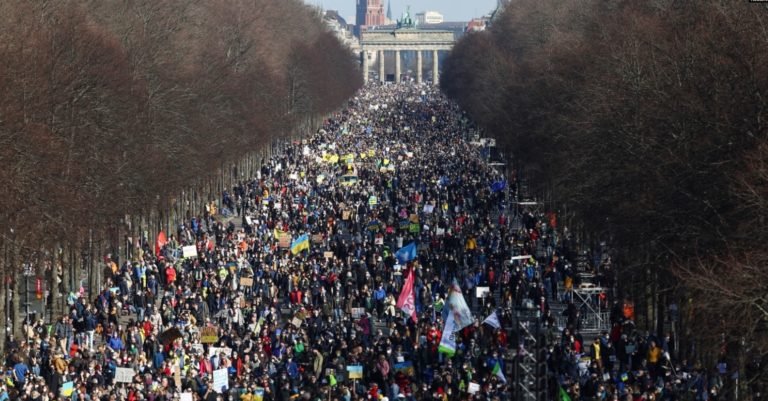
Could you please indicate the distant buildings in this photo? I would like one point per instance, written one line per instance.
(429, 17)
(369, 13)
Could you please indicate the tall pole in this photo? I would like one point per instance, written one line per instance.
(364, 55)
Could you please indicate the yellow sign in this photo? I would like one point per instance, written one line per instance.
(209, 335)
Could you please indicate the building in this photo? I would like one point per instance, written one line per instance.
(370, 13)
(429, 17)
(477, 24)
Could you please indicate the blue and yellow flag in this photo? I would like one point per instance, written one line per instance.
(299, 244)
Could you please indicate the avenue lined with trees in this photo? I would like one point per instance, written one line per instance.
(120, 118)
(647, 121)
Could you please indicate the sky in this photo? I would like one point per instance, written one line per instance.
(452, 10)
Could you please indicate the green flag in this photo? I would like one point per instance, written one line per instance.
(564, 395)
(498, 373)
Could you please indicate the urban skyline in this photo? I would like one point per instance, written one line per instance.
(452, 11)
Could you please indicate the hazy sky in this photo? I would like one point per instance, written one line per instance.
(453, 10)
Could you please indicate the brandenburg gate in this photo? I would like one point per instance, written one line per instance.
(406, 37)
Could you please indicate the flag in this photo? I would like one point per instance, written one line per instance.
(498, 186)
(299, 244)
(406, 253)
(498, 373)
(160, 242)
(493, 320)
(407, 300)
(448, 340)
(457, 306)
(564, 395)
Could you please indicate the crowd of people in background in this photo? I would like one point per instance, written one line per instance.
(332, 274)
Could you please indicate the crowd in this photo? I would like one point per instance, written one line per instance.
(349, 254)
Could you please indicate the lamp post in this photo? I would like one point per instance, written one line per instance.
(27, 272)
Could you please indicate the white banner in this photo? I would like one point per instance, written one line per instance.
(220, 381)
(189, 251)
(124, 375)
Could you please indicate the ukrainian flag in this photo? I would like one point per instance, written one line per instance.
(299, 244)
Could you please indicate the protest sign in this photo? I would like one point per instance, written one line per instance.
(246, 281)
(124, 375)
(406, 367)
(67, 389)
(285, 240)
(473, 388)
(189, 251)
(209, 335)
(355, 371)
(220, 381)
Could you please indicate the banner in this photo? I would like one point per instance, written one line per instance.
(299, 244)
(493, 320)
(209, 335)
(189, 251)
(355, 371)
(448, 340)
(124, 375)
(220, 381)
(406, 367)
(406, 253)
(284, 240)
(160, 242)
(246, 281)
(457, 306)
(67, 389)
(407, 299)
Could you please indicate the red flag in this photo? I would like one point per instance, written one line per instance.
(407, 300)
(160, 242)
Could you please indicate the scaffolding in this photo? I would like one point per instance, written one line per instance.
(531, 361)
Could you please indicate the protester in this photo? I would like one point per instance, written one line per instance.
(346, 273)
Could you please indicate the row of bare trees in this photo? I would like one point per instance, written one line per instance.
(649, 121)
(119, 117)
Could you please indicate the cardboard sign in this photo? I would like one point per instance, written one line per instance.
(209, 335)
(328, 254)
(296, 322)
(284, 240)
(473, 388)
(246, 281)
(124, 375)
(379, 240)
(355, 371)
(220, 381)
(482, 292)
(345, 215)
(189, 251)
(317, 238)
(185, 397)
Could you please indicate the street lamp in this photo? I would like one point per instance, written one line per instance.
(27, 272)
